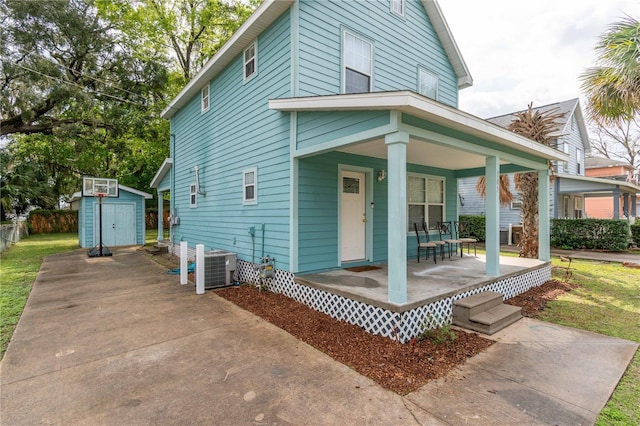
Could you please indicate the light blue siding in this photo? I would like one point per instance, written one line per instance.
(318, 127)
(400, 46)
(318, 208)
(238, 132)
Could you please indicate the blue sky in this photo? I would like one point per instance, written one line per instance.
(528, 51)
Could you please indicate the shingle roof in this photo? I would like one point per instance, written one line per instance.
(569, 107)
(599, 162)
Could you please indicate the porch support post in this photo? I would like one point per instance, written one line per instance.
(492, 200)
(397, 215)
(160, 216)
(544, 228)
(633, 205)
(616, 202)
(625, 204)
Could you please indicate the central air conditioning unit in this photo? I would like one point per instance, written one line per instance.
(219, 267)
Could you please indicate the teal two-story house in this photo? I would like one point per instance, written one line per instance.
(322, 130)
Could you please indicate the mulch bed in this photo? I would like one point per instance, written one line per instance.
(536, 299)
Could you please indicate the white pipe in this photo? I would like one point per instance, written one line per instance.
(183, 263)
(200, 269)
(510, 235)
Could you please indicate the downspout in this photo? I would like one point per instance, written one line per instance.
(172, 148)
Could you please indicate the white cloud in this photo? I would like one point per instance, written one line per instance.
(528, 51)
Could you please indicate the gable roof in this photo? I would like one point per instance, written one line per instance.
(570, 108)
(266, 14)
(161, 173)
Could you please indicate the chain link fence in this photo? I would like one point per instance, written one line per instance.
(12, 233)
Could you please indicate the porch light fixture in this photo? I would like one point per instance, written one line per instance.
(382, 175)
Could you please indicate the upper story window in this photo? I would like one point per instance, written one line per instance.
(565, 164)
(427, 83)
(204, 99)
(250, 186)
(397, 7)
(358, 64)
(425, 201)
(193, 195)
(250, 60)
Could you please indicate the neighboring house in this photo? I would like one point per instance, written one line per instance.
(571, 184)
(322, 130)
(604, 207)
(123, 218)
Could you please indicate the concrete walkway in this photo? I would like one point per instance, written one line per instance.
(118, 341)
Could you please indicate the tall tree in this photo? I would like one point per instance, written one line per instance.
(618, 140)
(542, 127)
(188, 32)
(613, 86)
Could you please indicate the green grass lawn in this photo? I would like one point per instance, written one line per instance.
(19, 266)
(607, 302)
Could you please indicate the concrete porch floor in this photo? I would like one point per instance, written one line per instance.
(426, 282)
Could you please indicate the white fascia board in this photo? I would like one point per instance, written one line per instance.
(162, 171)
(135, 191)
(582, 127)
(260, 20)
(625, 186)
(413, 104)
(448, 43)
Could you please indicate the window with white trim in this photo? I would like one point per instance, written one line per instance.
(427, 83)
(204, 99)
(565, 164)
(397, 7)
(357, 57)
(577, 207)
(516, 203)
(250, 186)
(193, 195)
(251, 60)
(425, 201)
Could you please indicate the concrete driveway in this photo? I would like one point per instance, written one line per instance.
(118, 341)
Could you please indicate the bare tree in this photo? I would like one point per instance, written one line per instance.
(617, 140)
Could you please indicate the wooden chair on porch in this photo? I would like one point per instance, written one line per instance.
(446, 235)
(460, 229)
(426, 246)
(438, 243)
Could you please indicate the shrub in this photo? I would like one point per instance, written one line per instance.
(52, 221)
(635, 233)
(475, 227)
(593, 234)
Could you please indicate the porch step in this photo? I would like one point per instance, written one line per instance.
(157, 249)
(484, 313)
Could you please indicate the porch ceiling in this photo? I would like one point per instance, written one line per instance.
(423, 153)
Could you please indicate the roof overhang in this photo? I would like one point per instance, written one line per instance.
(448, 43)
(592, 185)
(419, 106)
(264, 15)
(161, 173)
(78, 195)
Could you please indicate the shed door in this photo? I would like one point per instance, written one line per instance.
(118, 224)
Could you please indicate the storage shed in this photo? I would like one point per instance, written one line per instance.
(123, 218)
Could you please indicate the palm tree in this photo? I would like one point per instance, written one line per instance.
(542, 127)
(613, 87)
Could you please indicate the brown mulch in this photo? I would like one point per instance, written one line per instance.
(535, 300)
(402, 368)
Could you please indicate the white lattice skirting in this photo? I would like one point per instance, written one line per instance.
(401, 326)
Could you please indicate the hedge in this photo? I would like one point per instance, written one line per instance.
(475, 227)
(593, 234)
(52, 221)
(635, 233)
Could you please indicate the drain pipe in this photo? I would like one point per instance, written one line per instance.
(263, 240)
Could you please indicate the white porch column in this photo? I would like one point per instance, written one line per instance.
(544, 223)
(160, 216)
(492, 200)
(397, 215)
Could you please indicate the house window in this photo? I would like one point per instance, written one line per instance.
(250, 64)
(425, 201)
(565, 206)
(397, 7)
(193, 195)
(565, 164)
(579, 156)
(204, 99)
(516, 204)
(577, 207)
(250, 186)
(427, 83)
(358, 64)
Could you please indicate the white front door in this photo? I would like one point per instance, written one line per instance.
(118, 224)
(353, 216)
